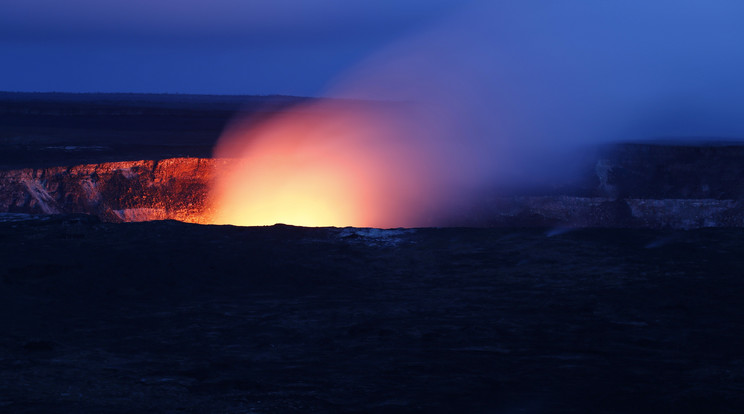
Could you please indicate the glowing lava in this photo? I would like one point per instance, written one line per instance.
(327, 164)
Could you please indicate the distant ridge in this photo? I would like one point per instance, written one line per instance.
(146, 99)
(11, 101)
(692, 141)
(132, 95)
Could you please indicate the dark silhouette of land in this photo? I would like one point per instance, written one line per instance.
(50, 129)
(173, 317)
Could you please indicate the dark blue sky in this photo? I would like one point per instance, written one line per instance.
(291, 47)
(588, 67)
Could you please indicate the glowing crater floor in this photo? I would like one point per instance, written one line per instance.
(170, 317)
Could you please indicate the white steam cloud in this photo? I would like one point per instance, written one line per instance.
(503, 93)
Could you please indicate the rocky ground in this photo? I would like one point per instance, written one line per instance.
(171, 317)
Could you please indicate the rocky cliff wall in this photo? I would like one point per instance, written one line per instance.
(175, 188)
(684, 170)
(631, 185)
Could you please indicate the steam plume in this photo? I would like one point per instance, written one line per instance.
(500, 95)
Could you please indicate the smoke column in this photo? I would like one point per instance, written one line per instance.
(500, 95)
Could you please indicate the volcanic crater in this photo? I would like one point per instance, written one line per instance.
(638, 312)
(629, 185)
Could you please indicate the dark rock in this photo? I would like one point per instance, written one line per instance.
(171, 317)
(39, 346)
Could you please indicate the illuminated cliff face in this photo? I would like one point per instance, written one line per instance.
(324, 165)
(174, 189)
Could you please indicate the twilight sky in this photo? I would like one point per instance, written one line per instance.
(677, 49)
(291, 47)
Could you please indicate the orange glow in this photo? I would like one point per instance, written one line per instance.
(320, 165)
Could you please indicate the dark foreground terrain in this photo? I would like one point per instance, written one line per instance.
(167, 317)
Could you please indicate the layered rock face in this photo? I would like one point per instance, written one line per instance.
(175, 188)
(638, 185)
(641, 185)
(627, 185)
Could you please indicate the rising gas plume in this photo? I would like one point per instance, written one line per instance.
(500, 95)
(331, 163)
